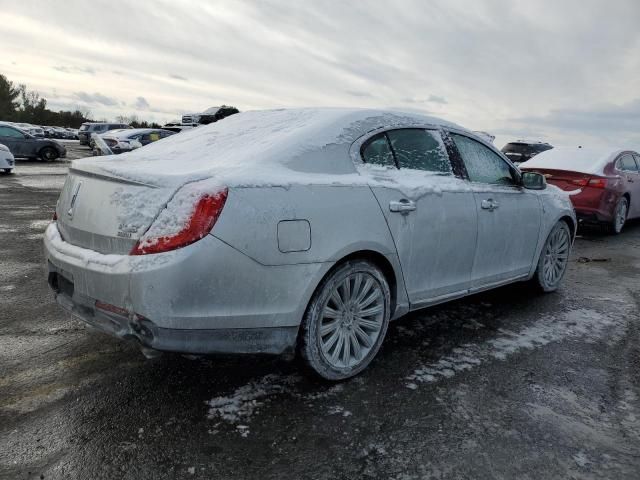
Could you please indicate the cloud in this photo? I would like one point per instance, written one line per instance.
(356, 93)
(95, 98)
(75, 69)
(437, 99)
(141, 104)
(606, 117)
(178, 77)
(431, 99)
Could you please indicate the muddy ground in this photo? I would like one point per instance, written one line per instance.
(506, 384)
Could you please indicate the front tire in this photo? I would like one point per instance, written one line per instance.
(346, 320)
(554, 258)
(49, 154)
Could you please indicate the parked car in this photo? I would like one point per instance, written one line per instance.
(22, 144)
(302, 229)
(86, 129)
(522, 150)
(606, 182)
(72, 133)
(32, 130)
(120, 141)
(7, 162)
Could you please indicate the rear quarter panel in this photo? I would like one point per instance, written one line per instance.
(342, 219)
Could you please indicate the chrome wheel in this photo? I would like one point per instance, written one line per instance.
(620, 215)
(351, 320)
(556, 255)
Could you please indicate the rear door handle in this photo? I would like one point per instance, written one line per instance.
(402, 206)
(489, 204)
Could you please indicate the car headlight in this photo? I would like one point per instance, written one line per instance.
(4, 148)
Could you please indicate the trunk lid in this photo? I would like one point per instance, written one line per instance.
(107, 214)
(564, 179)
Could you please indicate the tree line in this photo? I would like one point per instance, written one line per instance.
(17, 104)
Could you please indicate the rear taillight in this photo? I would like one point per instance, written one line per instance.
(581, 182)
(598, 183)
(198, 225)
(55, 216)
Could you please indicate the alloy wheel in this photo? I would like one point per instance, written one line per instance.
(556, 256)
(351, 320)
(620, 215)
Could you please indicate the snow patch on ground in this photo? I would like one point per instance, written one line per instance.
(239, 407)
(573, 324)
(242, 403)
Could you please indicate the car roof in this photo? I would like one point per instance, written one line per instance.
(250, 146)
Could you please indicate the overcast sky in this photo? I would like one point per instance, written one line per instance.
(563, 71)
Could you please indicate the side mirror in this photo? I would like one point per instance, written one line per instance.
(533, 181)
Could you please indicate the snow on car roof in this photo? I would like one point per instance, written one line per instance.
(256, 147)
(590, 160)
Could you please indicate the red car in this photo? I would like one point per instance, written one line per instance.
(606, 182)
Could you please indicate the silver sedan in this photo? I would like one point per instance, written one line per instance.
(301, 230)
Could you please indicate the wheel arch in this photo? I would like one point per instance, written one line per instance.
(572, 225)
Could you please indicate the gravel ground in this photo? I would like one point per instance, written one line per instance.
(506, 384)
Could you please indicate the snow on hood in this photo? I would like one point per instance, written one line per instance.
(584, 160)
(271, 147)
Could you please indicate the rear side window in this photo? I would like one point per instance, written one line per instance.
(483, 165)
(377, 151)
(627, 163)
(419, 149)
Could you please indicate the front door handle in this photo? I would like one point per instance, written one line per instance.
(489, 204)
(402, 206)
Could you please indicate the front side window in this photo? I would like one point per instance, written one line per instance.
(10, 132)
(483, 165)
(419, 149)
(377, 151)
(626, 163)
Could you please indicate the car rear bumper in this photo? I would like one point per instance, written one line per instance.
(203, 298)
(270, 340)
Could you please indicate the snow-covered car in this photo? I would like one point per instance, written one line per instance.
(32, 130)
(7, 162)
(298, 230)
(125, 140)
(89, 128)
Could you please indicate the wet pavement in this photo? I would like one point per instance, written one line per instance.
(507, 384)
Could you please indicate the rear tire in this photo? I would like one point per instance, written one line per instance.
(49, 154)
(619, 216)
(346, 321)
(554, 258)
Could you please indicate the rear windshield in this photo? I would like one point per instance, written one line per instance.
(525, 148)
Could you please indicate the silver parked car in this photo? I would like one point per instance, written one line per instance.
(301, 229)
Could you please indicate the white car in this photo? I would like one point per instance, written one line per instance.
(298, 230)
(7, 162)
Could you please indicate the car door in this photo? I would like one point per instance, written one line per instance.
(509, 216)
(628, 170)
(430, 212)
(13, 139)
